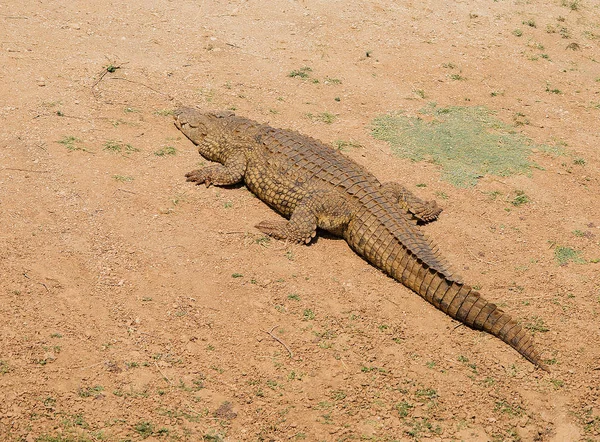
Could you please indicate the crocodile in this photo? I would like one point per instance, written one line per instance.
(315, 186)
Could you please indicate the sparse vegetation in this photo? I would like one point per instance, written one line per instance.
(536, 324)
(323, 117)
(564, 255)
(308, 315)
(462, 140)
(166, 150)
(163, 112)
(144, 428)
(90, 391)
(300, 73)
(553, 90)
(520, 198)
(71, 143)
(346, 145)
(573, 5)
(123, 178)
(118, 147)
(505, 407)
(151, 314)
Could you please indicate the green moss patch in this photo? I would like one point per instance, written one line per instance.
(467, 142)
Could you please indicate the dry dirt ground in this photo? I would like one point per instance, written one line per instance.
(137, 306)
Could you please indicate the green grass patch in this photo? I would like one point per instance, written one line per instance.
(122, 178)
(520, 198)
(71, 143)
(329, 80)
(537, 325)
(166, 150)
(91, 391)
(118, 147)
(144, 429)
(467, 142)
(301, 73)
(308, 315)
(344, 145)
(508, 408)
(323, 117)
(564, 255)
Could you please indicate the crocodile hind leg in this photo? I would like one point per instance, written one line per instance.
(324, 209)
(424, 211)
(231, 172)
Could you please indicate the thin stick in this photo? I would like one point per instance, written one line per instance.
(127, 191)
(25, 170)
(270, 333)
(162, 374)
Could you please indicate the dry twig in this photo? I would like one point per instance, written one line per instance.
(270, 333)
(162, 374)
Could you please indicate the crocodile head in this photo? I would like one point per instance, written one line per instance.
(203, 129)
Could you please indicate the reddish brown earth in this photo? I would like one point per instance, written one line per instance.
(135, 305)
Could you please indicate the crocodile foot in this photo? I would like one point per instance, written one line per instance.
(285, 231)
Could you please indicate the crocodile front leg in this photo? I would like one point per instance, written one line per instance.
(324, 209)
(231, 172)
(424, 211)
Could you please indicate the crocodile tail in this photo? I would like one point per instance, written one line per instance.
(466, 305)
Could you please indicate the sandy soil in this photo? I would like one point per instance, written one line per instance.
(137, 306)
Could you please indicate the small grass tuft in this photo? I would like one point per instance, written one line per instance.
(329, 80)
(300, 73)
(122, 178)
(113, 146)
(537, 325)
(308, 315)
(520, 198)
(91, 391)
(144, 429)
(163, 112)
(564, 255)
(403, 408)
(71, 143)
(573, 5)
(420, 93)
(343, 145)
(507, 408)
(166, 150)
(323, 117)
